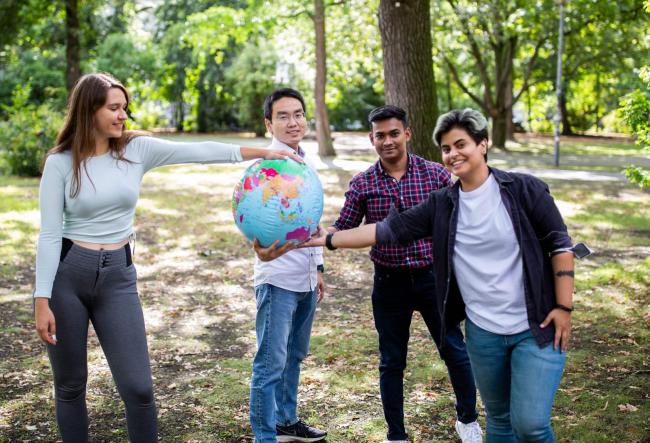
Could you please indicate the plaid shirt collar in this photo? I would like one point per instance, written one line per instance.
(381, 172)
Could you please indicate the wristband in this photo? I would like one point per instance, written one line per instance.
(328, 241)
(320, 268)
(564, 308)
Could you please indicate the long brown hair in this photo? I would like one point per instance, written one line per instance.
(78, 132)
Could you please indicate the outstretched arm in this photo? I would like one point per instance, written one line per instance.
(360, 237)
(154, 152)
(248, 153)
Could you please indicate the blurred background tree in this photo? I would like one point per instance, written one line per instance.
(206, 66)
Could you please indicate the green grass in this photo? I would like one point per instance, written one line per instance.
(196, 289)
(527, 143)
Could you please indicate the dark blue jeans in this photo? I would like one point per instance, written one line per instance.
(397, 293)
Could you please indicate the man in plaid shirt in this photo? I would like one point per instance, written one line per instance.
(404, 280)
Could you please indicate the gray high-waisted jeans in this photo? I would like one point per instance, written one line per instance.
(100, 287)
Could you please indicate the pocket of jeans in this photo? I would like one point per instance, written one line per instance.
(62, 269)
(129, 272)
(261, 293)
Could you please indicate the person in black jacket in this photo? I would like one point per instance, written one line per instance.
(502, 259)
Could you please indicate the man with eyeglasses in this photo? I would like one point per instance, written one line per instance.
(288, 285)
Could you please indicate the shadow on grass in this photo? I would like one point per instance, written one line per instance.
(196, 287)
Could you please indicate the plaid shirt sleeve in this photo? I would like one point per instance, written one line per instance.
(445, 177)
(354, 208)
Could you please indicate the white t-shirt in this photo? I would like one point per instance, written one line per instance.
(487, 262)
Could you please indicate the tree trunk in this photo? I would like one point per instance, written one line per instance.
(510, 126)
(566, 124)
(323, 134)
(405, 28)
(502, 112)
(73, 68)
(499, 130)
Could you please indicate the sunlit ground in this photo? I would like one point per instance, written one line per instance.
(195, 281)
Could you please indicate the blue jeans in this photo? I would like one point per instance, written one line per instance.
(517, 380)
(397, 293)
(283, 327)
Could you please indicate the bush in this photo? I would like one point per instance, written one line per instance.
(635, 109)
(27, 134)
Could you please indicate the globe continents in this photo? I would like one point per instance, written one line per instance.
(278, 200)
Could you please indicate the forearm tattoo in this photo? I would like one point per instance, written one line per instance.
(565, 274)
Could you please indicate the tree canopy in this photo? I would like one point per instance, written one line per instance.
(206, 66)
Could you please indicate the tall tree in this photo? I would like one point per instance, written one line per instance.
(495, 34)
(288, 12)
(72, 48)
(604, 43)
(405, 28)
(323, 134)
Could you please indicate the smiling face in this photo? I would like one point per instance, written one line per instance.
(462, 156)
(110, 118)
(288, 123)
(389, 137)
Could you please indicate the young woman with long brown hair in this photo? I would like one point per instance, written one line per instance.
(84, 272)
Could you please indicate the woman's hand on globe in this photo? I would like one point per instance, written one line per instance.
(278, 154)
(272, 252)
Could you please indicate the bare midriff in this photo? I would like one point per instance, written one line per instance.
(101, 246)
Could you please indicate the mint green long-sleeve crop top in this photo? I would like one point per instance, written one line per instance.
(104, 208)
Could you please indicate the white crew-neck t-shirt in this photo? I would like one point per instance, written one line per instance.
(488, 263)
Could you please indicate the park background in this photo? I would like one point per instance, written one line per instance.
(201, 69)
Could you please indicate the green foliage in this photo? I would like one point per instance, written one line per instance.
(352, 103)
(27, 134)
(638, 175)
(253, 76)
(43, 70)
(189, 63)
(119, 55)
(635, 108)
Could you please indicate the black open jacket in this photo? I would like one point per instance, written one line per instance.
(538, 226)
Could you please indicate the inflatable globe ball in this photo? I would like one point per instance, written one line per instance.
(278, 200)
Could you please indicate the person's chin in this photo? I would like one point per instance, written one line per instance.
(114, 132)
(292, 140)
(391, 155)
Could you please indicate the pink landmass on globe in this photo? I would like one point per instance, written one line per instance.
(269, 172)
(252, 181)
(300, 234)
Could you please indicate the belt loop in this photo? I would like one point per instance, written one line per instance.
(132, 237)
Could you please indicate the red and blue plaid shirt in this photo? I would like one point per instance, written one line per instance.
(371, 194)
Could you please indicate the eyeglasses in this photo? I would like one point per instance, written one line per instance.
(285, 118)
